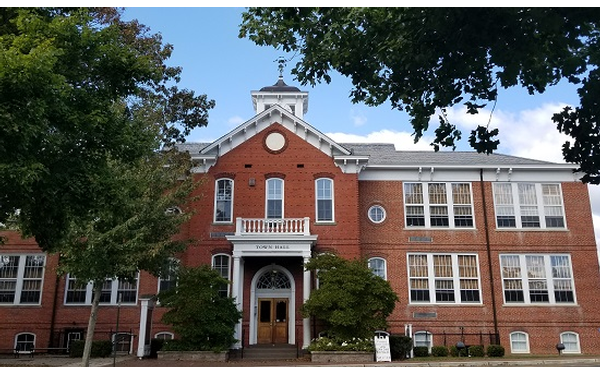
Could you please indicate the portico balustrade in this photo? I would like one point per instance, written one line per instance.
(291, 226)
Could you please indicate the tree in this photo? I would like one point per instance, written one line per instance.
(203, 318)
(428, 59)
(86, 103)
(80, 89)
(136, 230)
(351, 299)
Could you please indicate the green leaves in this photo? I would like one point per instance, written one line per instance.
(351, 300)
(204, 319)
(80, 90)
(421, 60)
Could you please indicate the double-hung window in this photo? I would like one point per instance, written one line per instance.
(220, 263)
(378, 267)
(21, 278)
(223, 201)
(438, 205)
(324, 196)
(444, 278)
(274, 204)
(168, 276)
(114, 291)
(528, 205)
(537, 278)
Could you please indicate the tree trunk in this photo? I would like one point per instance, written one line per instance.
(89, 338)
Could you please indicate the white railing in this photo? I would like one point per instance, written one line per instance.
(296, 226)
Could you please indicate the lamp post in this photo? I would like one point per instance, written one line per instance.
(117, 331)
(461, 344)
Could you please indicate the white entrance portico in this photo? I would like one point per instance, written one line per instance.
(273, 238)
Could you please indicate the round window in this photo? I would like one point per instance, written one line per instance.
(376, 214)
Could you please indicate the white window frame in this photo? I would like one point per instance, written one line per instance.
(269, 197)
(430, 279)
(164, 333)
(428, 206)
(377, 218)
(23, 282)
(514, 205)
(217, 200)
(220, 269)
(17, 342)
(174, 265)
(571, 346)
(379, 267)
(319, 198)
(520, 274)
(114, 292)
(523, 339)
(428, 341)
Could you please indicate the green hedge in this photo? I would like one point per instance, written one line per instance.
(476, 351)
(495, 351)
(400, 346)
(421, 351)
(439, 351)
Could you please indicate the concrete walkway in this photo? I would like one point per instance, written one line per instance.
(132, 361)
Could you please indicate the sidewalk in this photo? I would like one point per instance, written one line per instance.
(132, 361)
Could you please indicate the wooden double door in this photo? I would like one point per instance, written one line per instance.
(273, 318)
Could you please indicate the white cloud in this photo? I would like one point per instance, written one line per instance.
(530, 134)
(402, 140)
(358, 119)
(235, 121)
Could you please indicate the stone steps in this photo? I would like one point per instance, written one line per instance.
(269, 352)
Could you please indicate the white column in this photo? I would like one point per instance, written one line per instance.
(236, 285)
(306, 295)
(143, 349)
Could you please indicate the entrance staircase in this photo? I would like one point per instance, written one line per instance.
(268, 352)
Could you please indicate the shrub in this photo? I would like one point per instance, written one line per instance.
(439, 351)
(336, 344)
(454, 352)
(476, 351)
(202, 318)
(400, 346)
(421, 351)
(495, 351)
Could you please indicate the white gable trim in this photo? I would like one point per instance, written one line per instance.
(277, 114)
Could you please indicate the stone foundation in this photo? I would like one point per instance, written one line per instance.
(342, 357)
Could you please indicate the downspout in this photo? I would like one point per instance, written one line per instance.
(54, 304)
(489, 255)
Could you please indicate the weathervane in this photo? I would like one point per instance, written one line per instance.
(281, 64)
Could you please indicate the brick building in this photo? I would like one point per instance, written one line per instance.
(479, 248)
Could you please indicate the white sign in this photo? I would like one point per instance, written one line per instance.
(382, 349)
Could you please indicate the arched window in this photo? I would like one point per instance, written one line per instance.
(324, 197)
(571, 342)
(423, 339)
(519, 342)
(224, 201)
(25, 342)
(165, 336)
(274, 203)
(168, 276)
(220, 262)
(378, 266)
(273, 279)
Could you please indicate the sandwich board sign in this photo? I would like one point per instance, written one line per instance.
(382, 347)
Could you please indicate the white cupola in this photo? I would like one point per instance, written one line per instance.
(288, 97)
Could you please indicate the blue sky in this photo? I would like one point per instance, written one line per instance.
(226, 68)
